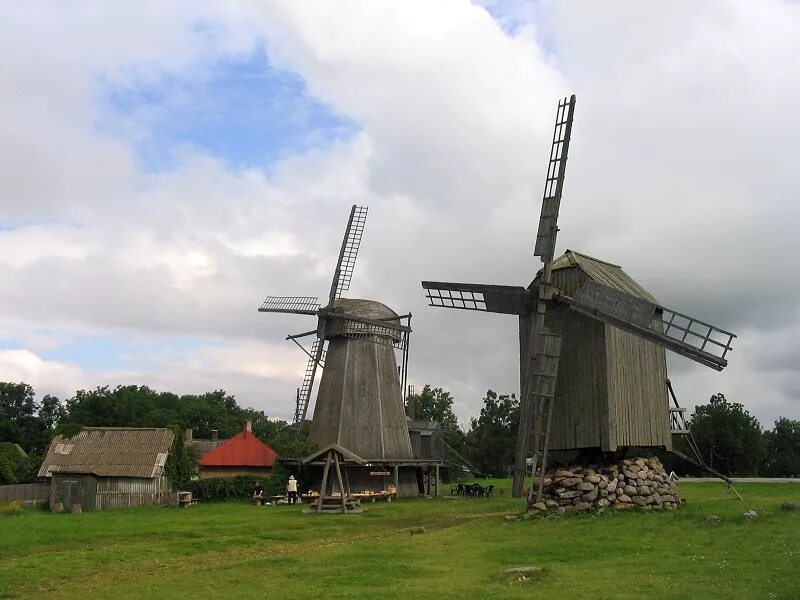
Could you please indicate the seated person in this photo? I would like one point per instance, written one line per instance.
(258, 494)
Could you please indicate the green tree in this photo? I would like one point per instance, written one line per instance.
(729, 438)
(432, 404)
(181, 460)
(283, 437)
(491, 439)
(782, 446)
(23, 421)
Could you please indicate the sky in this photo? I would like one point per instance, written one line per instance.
(167, 165)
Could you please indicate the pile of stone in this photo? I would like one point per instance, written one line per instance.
(636, 483)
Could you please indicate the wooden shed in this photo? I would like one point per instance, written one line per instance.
(611, 389)
(242, 454)
(426, 439)
(109, 467)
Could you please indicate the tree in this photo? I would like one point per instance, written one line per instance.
(23, 421)
(433, 404)
(782, 446)
(181, 460)
(728, 437)
(492, 437)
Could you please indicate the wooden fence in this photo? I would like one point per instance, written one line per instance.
(27, 493)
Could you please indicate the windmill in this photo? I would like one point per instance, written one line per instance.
(360, 398)
(610, 392)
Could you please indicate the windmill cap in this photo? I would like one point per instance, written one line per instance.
(367, 309)
(291, 476)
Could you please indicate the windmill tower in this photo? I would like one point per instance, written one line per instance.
(611, 389)
(360, 399)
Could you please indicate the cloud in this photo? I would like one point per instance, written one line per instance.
(682, 170)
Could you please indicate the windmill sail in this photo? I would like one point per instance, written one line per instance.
(554, 182)
(506, 299)
(299, 305)
(349, 251)
(690, 337)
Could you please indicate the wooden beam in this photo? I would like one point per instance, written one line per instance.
(324, 488)
(339, 479)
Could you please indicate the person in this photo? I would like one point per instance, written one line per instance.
(258, 494)
(291, 487)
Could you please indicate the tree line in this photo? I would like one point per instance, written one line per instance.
(730, 440)
(31, 424)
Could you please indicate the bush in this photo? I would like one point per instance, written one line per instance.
(239, 487)
(8, 509)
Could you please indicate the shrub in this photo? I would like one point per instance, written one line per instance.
(8, 509)
(239, 487)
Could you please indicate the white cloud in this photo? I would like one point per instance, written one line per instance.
(682, 169)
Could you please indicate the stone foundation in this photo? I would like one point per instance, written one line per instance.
(632, 483)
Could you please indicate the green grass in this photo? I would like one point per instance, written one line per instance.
(234, 550)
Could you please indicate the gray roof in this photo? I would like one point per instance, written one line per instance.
(346, 454)
(423, 425)
(602, 272)
(366, 309)
(110, 452)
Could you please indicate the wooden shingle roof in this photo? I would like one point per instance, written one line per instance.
(110, 452)
(346, 454)
(602, 272)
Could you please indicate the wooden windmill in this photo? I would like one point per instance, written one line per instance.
(360, 399)
(611, 333)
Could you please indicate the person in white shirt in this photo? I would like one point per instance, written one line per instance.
(291, 487)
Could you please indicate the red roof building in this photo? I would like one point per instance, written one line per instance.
(244, 453)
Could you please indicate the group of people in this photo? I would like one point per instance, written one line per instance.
(291, 492)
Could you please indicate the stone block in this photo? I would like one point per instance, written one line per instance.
(591, 496)
(569, 494)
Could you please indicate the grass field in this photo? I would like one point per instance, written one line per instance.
(237, 550)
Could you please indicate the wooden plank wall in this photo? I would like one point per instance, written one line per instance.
(129, 492)
(580, 406)
(637, 390)
(325, 424)
(360, 404)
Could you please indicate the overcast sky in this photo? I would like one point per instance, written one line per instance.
(167, 165)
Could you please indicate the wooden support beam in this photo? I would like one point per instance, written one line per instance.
(339, 480)
(324, 487)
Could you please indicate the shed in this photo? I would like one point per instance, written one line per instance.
(109, 467)
(611, 389)
(426, 440)
(242, 454)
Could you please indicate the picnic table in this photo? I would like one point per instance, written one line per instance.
(372, 497)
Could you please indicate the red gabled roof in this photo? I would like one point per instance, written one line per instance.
(242, 450)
